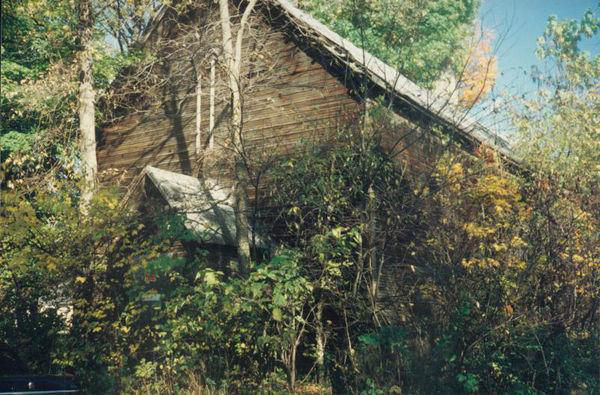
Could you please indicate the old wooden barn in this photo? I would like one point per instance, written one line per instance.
(299, 80)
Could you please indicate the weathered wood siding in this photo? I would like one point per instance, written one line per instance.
(293, 92)
(298, 99)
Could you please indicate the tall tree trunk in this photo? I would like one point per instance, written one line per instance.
(233, 62)
(87, 121)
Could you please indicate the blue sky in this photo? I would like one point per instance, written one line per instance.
(522, 22)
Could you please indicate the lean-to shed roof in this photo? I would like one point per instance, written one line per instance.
(206, 205)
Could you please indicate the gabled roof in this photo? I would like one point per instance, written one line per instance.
(431, 103)
(206, 205)
(390, 80)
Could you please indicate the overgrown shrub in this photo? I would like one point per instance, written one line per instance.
(483, 273)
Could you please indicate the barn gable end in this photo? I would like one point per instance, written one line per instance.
(295, 98)
(301, 81)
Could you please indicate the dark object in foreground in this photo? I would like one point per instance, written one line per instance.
(31, 384)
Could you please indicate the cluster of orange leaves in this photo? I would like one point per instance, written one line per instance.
(481, 69)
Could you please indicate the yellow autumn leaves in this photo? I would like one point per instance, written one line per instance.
(493, 217)
(482, 207)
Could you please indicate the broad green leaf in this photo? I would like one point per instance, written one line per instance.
(277, 315)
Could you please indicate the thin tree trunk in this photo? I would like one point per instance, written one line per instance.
(198, 115)
(241, 216)
(292, 383)
(320, 335)
(240, 194)
(375, 264)
(87, 121)
(211, 114)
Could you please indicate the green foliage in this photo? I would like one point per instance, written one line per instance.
(233, 330)
(35, 35)
(69, 280)
(38, 74)
(420, 38)
(470, 280)
(558, 129)
(463, 279)
(330, 199)
(14, 141)
(469, 245)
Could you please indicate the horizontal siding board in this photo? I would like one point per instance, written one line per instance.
(295, 96)
(267, 136)
(255, 130)
(312, 107)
